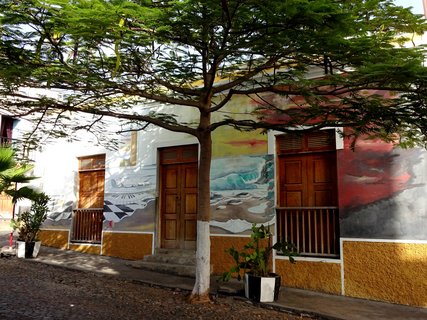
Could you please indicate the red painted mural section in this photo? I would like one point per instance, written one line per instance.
(370, 173)
(250, 142)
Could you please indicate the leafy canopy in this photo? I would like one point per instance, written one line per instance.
(302, 64)
(128, 59)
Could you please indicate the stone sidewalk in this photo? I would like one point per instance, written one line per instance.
(290, 300)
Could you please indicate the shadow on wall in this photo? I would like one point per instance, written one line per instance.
(54, 238)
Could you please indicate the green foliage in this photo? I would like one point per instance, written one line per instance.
(177, 63)
(28, 223)
(12, 173)
(112, 58)
(255, 256)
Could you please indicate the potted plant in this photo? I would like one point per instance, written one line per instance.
(261, 284)
(28, 224)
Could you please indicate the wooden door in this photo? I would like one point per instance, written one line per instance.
(307, 180)
(91, 181)
(178, 207)
(88, 218)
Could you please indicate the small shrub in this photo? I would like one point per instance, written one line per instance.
(29, 222)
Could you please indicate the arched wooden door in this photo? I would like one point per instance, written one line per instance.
(178, 196)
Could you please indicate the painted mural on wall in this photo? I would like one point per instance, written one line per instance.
(129, 201)
(60, 209)
(229, 142)
(242, 193)
(383, 191)
(129, 194)
(62, 193)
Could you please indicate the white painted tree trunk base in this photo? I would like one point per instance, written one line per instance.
(200, 291)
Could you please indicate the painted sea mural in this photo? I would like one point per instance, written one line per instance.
(242, 193)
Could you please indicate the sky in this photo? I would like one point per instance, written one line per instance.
(417, 5)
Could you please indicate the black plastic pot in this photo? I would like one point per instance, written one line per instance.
(29, 249)
(262, 289)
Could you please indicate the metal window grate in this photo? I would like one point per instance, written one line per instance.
(314, 230)
(87, 225)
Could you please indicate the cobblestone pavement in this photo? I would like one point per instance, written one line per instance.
(31, 290)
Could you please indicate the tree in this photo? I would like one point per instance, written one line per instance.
(111, 58)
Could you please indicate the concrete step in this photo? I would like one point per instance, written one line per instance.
(170, 261)
(167, 268)
(182, 258)
(175, 252)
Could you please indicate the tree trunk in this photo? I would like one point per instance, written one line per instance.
(201, 287)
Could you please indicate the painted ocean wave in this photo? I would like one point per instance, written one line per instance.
(234, 181)
(236, 174)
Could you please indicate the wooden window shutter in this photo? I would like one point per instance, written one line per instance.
(323, 140)
(290, 142)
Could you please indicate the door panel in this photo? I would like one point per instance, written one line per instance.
(322, 179)
(170, 205)
(91, 193)
(307, 180)
(170, 229)
(178, 207)
(292, 181)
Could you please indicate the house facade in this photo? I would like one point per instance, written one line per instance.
(358, 216)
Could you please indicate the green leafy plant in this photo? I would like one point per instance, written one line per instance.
(28, 223)
(12, 173)
(255, 256)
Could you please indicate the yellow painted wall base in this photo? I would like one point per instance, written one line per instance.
(85, 248)
(317, 276)
(320, 276)
(220, 260)
(394, 272)
(132, 246)
(54, 238)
